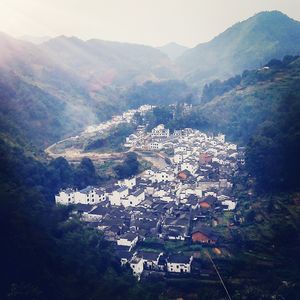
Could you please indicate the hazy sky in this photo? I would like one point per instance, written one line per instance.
(152, 22)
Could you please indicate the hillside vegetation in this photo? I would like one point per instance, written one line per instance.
(245, 45)
(54, 90)
(254, 99)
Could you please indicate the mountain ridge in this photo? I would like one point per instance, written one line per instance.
(245, 45)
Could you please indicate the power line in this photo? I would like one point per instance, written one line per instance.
(219, 275)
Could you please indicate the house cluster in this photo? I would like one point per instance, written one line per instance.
(148, 262)
(126, 117)
(184, 201)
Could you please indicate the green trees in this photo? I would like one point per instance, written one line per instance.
(217, 88)
(113, 141)
(85, 174)
(45, 254)
(19, 169)
(129, 167)
(158, 93)
(272, 154)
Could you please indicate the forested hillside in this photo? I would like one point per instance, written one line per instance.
(253, 98)
(245, 45)
(100, 63)
(237, 106)
(54, 90)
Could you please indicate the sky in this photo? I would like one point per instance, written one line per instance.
(149, 22)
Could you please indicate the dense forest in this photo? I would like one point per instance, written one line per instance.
(273, 152)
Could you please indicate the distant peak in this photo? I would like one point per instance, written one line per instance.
(64, 38)
(172, 44)
(271, 14)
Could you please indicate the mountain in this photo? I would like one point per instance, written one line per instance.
(55, 89)
(173, 50)
(245, 45)
(43, 100)
(101, 63)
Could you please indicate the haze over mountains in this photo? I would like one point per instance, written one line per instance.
(35, 39)
(61, 85)
(173, 50)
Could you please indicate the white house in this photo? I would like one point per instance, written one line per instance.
(189, 166)
(179, 264)
(101, 194)
(221, 138)
(181, 148)
(128, 182)
(65, 197)
(116, 196)
(137, 266)
(231, 146)
(134, 199)
(179, 157)
(154, 145)
(88, 195)
(160, 132)
(128, 239)
(163, 176)
(230, 204)
(151, 259)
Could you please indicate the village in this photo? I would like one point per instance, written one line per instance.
(183, 202)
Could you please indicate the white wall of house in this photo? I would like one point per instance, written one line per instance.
(64, 198)
(137, 267)
(155, 146)
(114, 198)
(93, 196)
(221, 138)
(133, 200)
(102, 196)
(231, 204)
(130, 182)
(126, 242)
(179, 267)
(163, 176)
(160, 193)
(178, 158)
(150, 190)
(191, 167)
(160, 132)
(124, 193)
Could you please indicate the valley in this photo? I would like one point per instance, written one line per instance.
(130, 171)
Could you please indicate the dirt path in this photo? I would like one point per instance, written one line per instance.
(76, 155)
(156, 158)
